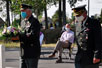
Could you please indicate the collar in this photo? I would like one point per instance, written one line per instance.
(30, 17)
(68, 31)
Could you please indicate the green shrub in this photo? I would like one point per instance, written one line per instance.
(51, 35)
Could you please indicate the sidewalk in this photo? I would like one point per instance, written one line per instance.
(12, 59)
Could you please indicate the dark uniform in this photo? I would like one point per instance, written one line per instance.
(89, 42)
(30, 45)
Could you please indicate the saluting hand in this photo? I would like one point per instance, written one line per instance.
(96, 60)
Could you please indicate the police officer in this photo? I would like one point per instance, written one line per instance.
(29, 38)
(88, 39)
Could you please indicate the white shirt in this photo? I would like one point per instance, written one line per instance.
(41, 38)
(67, 36)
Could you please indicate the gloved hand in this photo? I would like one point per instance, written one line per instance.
(28, 34)
(96, 60)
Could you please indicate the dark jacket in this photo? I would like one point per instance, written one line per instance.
(89, 38)
(30, 46)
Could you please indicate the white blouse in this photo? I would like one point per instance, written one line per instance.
(67, 36)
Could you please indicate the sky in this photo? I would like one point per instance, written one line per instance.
(95, 8)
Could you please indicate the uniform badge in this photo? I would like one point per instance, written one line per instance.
(87, 29)
(28, 24)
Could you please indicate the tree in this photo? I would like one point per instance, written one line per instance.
(38, 7)
(72, 2)
(64, 12)
(46, 20)
(59, 10)
(7, 11)
(45, 10)
(8, 15)
(2, 6)
(60, 14)
(55, 19)
(101, 16)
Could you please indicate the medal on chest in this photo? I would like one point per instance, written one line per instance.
(82, 38)
(28, 24)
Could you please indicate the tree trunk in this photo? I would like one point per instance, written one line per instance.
(46, 20)
(7, 9)
(88, 7)
(64, 12)
(36, 12)
(60, 14)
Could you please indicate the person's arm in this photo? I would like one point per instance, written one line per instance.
(71, 38)
(98, 42)
(41, 38)
(61, 38)
(35, 27)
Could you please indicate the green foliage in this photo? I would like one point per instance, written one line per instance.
(73, 27)
(16, 23)
(72, 17)
(55, 16)
(15, 6)
(51, 35)
(10, 44)
(38, 5)
(2, 37)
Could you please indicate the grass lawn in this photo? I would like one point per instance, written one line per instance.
(49, 45)
(17, 44)
(10, 44)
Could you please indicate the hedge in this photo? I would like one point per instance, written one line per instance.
(51, 35)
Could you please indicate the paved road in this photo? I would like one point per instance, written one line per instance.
(12, 59)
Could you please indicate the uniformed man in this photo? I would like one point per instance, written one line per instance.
(88, 39)
(29, 38)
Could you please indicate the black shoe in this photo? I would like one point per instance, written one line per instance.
(59, 61)
(51, 56)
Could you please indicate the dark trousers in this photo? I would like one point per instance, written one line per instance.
(78, 65)
(29, 63)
